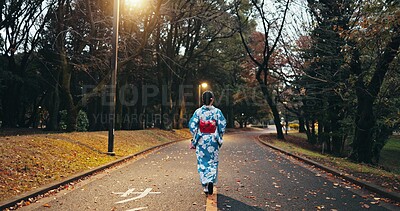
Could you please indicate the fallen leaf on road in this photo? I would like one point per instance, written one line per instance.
(366, 206)
(251, 197)
(46, 205)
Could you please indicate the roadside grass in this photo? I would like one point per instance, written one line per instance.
(390, 155)
(297, 134)
(297, 144)
(30, 161)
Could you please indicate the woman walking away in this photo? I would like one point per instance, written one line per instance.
(207, 126)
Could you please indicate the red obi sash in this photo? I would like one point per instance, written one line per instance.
(208, 126)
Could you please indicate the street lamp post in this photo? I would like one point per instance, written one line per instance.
(113, 88)
(202, 85)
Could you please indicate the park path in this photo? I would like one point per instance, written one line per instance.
(251, 177)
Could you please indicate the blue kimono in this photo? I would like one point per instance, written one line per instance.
(207, 144)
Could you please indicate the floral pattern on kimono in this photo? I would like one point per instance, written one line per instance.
(207, 144)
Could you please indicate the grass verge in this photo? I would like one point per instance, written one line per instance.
(30, 161)
(390, 180)
(390, 155)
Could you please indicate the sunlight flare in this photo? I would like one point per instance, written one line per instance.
(134, 3)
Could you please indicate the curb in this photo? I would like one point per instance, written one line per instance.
(55, 185)
(369, 186)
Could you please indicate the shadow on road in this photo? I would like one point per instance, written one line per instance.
(228, 203)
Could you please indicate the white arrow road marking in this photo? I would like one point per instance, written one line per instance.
(137, 209)
(130, 191)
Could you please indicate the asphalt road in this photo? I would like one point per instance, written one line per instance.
(251, 177)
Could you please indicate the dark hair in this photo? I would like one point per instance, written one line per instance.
(207, 97)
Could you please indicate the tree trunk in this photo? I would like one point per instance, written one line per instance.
(54, 106)
(274, 110)
(140, 107)
(362, 144)
(34, 118)
(335, 133)
(323, 137)
(93, 114)
(10, 106)
(10, 101)
(302, 128)
(365, 120)
(182, 111)
(230, 116)
(65, 71)
(310, 131)
(54, 111)
(67, 95)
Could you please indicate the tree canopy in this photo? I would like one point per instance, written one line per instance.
(333, 66)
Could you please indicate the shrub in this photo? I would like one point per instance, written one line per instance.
(63, 120)
(82, 123)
